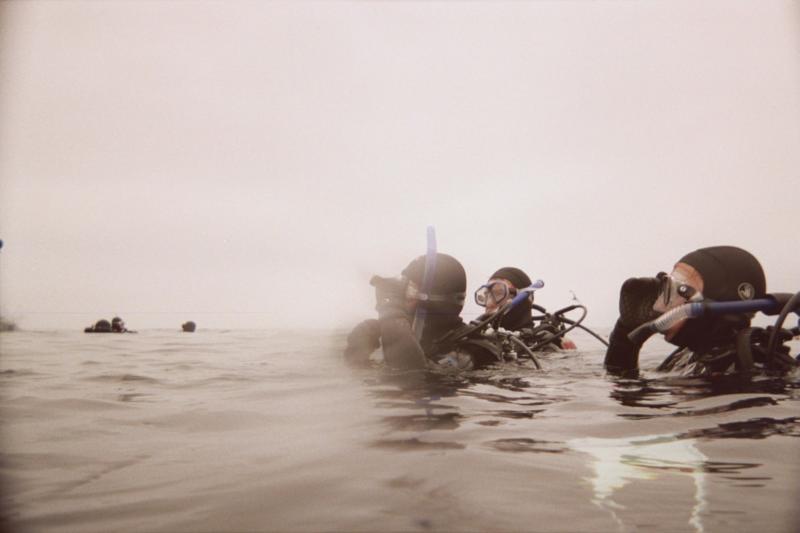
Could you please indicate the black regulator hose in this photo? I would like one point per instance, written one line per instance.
(790, 306)
(484, 320)
(527, 350)
(475, 325)
(557, 316)
(584, 328)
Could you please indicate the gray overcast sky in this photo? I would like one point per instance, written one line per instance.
(251, 164)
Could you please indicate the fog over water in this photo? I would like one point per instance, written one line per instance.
(252, 164)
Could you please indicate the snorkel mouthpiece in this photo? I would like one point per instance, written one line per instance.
(673, 316)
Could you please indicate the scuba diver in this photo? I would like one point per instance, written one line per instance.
(101, 326)
(188, 327)
(502, 287)
(117, 325)
(418, 323)
(704, 307)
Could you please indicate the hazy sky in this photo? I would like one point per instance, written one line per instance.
(252, 164)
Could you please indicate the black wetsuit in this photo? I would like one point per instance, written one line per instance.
(402, 350)
(706, 348)
(541, 336)
(622, 355)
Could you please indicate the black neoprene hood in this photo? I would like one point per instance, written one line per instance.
(448, 276)
(517, 277)
(729, 273)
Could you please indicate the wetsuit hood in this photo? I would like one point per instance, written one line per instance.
(449, 280)
(729, 273)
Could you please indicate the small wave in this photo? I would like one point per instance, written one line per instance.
(202, 421)
(517, 414)
(746, 403)
(415, 444)
(500, 398)
(38, 461)
(222, 379)
(132, 397)
(39, 407)
(526, 445)
(424, 422)
(17, 373)
(123, 378)
(754, 428)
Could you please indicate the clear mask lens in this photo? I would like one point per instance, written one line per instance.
(497, 291)
(675, 291)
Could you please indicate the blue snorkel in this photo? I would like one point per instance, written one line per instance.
(698, 309)
(427, 281)
(522, 294)
(781, 304)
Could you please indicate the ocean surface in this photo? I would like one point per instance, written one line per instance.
(270, 431)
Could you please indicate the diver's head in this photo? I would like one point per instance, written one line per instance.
(448, 284)
(189, 326)
(502, 287)
(117, 324)
(718, 273)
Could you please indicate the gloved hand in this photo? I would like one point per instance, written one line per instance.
(362, 341)
(636, 299)
(390, 297)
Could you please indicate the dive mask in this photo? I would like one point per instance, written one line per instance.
(674, 291)
(496, 290)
